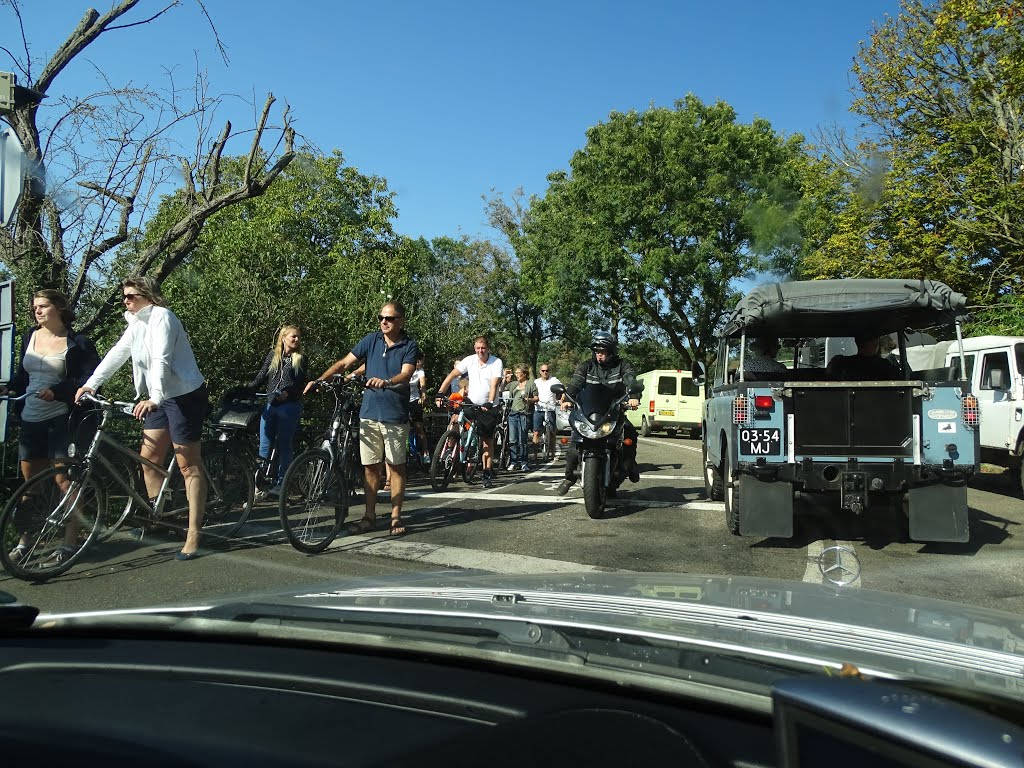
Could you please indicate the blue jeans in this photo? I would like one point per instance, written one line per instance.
(517, 433)
(277, 427)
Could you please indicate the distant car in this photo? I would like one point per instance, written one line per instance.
(562, 420)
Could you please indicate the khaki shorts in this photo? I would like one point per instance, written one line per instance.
(379, 441)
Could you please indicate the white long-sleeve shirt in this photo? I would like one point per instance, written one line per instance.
(163, 364)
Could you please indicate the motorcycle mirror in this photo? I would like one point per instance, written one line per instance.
(558, 389)
(636, 388)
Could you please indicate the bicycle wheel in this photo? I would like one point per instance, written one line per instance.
(471, 450)
(499, 461)
(44, 530)
(352, 467)
(119, 505)
(413, 452)
(444, 460)
(549, 439)
(314, 502)
(230, 493)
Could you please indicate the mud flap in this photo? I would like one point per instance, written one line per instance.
(938, 513)
(767, 508)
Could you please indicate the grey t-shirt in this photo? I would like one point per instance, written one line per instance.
(44, 372)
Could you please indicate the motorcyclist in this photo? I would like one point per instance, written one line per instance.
(604, 367)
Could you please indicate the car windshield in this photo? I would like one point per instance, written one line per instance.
(327, 265)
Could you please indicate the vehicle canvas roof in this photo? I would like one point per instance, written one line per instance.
(824, 307)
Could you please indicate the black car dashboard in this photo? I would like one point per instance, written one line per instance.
(156, 698)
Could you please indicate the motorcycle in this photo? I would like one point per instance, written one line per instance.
(598, 417)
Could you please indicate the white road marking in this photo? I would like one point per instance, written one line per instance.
(655, 441)
(457, 557)
(571, 498)
(812, 574)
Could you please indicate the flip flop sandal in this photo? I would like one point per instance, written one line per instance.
(397, 527)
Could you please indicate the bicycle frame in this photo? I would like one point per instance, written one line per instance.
(102, 439)
(468, 439)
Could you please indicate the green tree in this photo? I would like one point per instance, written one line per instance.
(662, 212)
(317, 250)
(103, 158)
(941, 87)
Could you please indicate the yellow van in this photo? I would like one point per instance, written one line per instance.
(670, 402)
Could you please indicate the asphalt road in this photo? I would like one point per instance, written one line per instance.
(663, 523)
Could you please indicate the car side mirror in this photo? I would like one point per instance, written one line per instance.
(558, 389)
(636, 388)
(697, 373)
(996, 380)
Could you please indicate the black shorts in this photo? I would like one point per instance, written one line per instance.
(486, 422)
(415, 411)
(44, 439)
(183, 415)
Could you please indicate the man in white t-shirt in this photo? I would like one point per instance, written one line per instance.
(546, 402)
(484, 371)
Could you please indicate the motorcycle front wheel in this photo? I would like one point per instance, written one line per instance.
(594, 493)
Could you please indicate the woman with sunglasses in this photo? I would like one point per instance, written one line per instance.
(171, 392)
(54, 362)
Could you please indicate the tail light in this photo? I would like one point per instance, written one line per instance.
(740, 410)
(764, 402)
(971, 413)
(650, 406)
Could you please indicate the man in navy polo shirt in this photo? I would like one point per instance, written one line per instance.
(390, 358)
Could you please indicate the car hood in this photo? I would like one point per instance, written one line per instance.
(806, 626)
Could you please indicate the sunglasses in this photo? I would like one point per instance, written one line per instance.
(388, 318)
(131, 296)
(543, 370)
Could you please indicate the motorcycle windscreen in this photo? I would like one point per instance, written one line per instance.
(594, 402)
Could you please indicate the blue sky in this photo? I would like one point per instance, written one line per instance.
(449, 100)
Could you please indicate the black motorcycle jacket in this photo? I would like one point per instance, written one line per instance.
(616, 373)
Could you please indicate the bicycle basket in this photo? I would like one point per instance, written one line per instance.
(239, 413)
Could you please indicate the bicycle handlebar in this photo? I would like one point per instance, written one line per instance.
(104, 403)
(15, 399)
(338, 380)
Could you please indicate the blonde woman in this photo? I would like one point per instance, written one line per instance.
(284, 374)
(171, 392)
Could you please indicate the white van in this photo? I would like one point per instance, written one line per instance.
(671, 401)
(995, 372)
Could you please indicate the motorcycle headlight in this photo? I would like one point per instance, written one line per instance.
(72, 450)
(583, 427)
(606, 429)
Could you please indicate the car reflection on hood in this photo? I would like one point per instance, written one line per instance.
(745, 631)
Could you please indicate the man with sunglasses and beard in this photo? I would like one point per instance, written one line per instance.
(390, 359)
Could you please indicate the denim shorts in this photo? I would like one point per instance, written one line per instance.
(183, 415)
(44, 439)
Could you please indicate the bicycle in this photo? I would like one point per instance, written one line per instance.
(501, 444)
(414, 454)
(548, 439)
(235, 430)
(321, 482)
(48, 523)
(459, 447)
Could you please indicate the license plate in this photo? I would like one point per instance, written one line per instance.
(761, 442)
(666, 413)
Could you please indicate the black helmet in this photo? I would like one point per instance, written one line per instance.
(603, 340)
